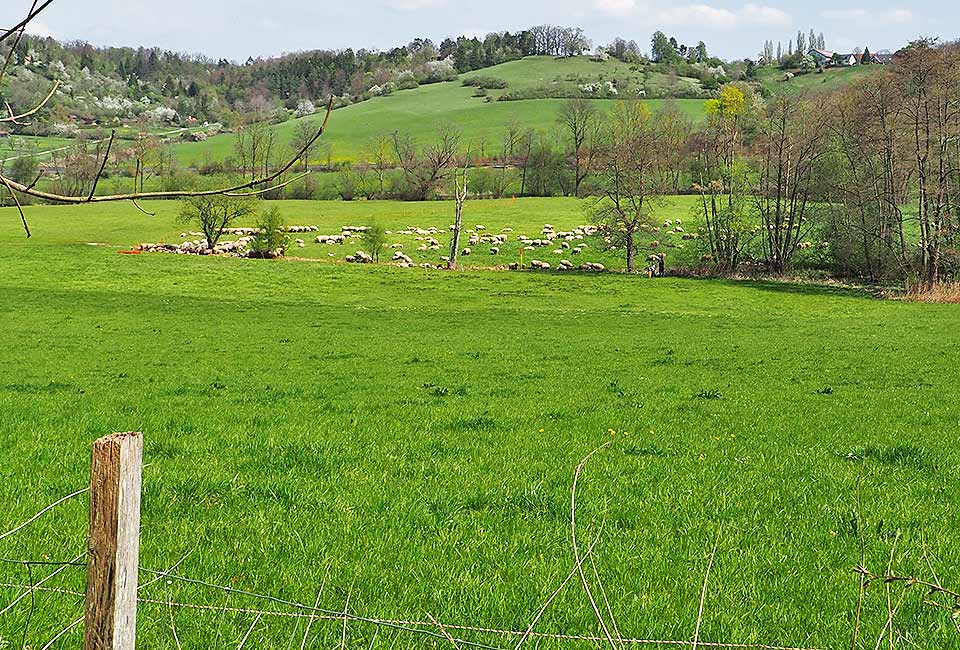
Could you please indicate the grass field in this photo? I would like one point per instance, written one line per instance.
(122, 226)
(773, 80)
(418, 112)
(408, 439)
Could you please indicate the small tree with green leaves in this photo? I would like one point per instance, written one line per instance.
(374, 239)
(270, 241)
(215, 213)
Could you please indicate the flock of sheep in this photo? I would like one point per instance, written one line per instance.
(568, 242)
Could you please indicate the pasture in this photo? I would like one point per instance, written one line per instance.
(418, 112)
(408, 439)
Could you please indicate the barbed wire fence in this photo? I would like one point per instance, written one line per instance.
(191, 612)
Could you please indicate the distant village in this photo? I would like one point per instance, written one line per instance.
(827, 59)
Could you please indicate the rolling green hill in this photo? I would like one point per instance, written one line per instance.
(418, 112)
(773, 79)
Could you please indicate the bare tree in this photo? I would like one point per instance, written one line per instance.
(930, 82)
(303, 144)
(793, 144)
(378, 155)
(460, 183)
(424, 169)
(579, 118)
(868, 232)
(631, 176)
(723, 178)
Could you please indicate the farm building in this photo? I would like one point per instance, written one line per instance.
(823, 58)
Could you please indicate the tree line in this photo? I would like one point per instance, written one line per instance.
(864, 178)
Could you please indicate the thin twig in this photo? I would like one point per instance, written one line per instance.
(313, 614)
(36, 586)
(576, 546)
(59, 634)
(44, 511)
(16, 200)
(103, 166)
(249, 632)
(703, 592)
(346, 609)
(555, 593)
(606, 601)
(15, 118)
(26, 21)
(863, 561)
(173, 626)
(445, 634)
(936, 580)
(182, 194)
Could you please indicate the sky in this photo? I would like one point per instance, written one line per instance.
(236, 29)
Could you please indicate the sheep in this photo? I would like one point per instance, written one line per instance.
(494, 250)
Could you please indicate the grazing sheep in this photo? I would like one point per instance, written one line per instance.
(494, 251)
(465, 252)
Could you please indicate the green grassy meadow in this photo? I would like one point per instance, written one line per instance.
(418, 112)
(772, 79)
(408, 439)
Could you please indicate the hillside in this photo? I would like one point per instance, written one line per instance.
(773, 80)
(417, 112)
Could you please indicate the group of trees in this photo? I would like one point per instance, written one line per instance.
(871, 171)
(665, 49)
(795, 50)
(104, 84)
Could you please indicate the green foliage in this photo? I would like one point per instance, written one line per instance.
(375, 239)
(25, 169)
(488, 83)
(271, 240)
(214, 214)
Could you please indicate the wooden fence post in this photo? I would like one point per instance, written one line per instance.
(113, 548)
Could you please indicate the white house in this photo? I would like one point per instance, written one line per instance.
(822, 58)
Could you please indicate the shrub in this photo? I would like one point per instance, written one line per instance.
(490, 83)
(271, 240)
(374, 239)
(406, 80)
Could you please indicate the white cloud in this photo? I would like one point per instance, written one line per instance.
(709, 17)
(615, 7)
(859, 14)
(415, 5)
(40, 28)
(766, 16)
(698, 16)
